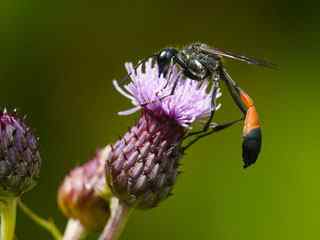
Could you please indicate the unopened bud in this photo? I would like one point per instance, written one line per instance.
(83, 195)
(19, 156)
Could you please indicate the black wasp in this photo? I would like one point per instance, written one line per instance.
(198, 61)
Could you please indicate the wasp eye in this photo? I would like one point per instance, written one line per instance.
(167, 54)
(163, 54)
(164, 59)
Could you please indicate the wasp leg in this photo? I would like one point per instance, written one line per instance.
(207, 125)
(212, 129)
(251, 145)
(177, 60)
(174, 87)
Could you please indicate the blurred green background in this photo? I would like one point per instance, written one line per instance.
(57, 60)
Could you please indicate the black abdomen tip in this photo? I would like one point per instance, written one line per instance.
(251, 147)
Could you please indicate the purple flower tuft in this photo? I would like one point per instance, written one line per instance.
(190, 101)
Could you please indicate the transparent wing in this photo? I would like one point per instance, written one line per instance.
(239, 57)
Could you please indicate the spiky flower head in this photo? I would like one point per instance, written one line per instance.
(83, 195)
(142, 167)
(19, 156)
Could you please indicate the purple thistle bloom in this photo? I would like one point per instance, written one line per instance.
(142, 167)
(188, 103)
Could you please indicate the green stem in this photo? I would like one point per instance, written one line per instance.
(8, 218)
(47, 224)
(119, 215)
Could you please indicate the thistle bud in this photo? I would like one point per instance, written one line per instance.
(83, 194)
(19, 156)
(143, 165)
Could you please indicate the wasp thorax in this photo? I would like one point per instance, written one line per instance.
(197, 68)
(143, 165)
(195, 64)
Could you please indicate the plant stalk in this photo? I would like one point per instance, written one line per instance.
(119, 215)
(8, 218)
(47, 224)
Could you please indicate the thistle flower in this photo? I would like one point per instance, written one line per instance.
(83, 194)
(19, 167)
(142, 167)
(19, 156)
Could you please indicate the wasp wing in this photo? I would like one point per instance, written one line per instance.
(239, 57)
